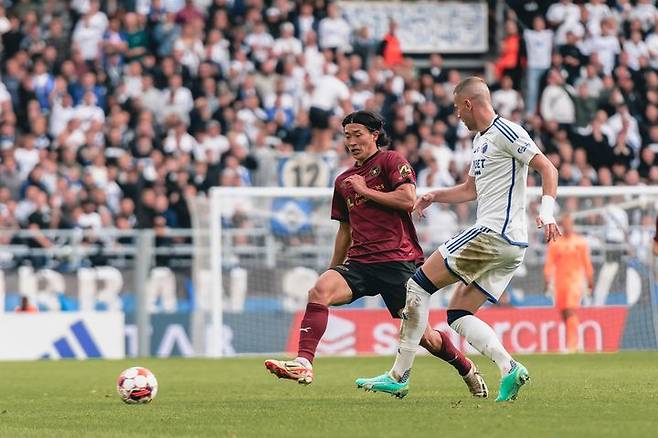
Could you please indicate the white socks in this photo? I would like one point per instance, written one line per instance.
(304, 362)
(414, 321)
(481, 336)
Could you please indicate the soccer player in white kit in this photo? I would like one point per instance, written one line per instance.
(484, 256)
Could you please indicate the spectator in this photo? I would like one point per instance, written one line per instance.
(508, 61)
(329, 92)
(592, 80)
(189, 13)
(189, 49)
(585, 106)
(645, 11)
(597, 10)
(333, 30)
(622, 122)
(606, 45)
(506, 100)
(364, 45)
(114, 40)
(260, 42)
(135, 37)
(88, 111)
(287, 44)
(539, 47)
(391, 49)
(556, 103)
(562, 12)
(636, 49)
(25, 306)
(178, 100)
(572, 57)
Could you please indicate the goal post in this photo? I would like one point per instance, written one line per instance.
(268, 245)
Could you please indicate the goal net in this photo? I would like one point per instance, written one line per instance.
(268, 246)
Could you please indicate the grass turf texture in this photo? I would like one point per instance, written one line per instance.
(607, 395)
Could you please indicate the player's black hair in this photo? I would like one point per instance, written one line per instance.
(372, 121)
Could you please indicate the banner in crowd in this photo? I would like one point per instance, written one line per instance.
(425, 27)
(533, 330)
(62, 335)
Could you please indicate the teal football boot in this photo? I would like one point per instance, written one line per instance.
(512, 382)
(384, 383)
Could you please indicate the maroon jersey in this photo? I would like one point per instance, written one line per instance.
(379, 233)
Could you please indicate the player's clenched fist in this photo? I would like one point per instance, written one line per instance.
(422, 203)
(358, 183)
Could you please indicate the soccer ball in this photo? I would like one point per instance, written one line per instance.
(137, 385)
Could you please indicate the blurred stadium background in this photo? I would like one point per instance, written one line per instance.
(165, 165)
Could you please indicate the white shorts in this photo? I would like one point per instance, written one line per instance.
(482, 257)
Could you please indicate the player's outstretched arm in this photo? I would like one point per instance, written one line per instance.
(341, 244)
(463, 192)
(549, 176)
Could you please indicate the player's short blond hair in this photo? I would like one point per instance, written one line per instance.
(471, 87)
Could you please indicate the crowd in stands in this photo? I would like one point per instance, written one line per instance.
(113, 113)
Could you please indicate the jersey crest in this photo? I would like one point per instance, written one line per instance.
(404, 169)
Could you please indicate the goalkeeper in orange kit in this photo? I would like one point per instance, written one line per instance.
(569, 268)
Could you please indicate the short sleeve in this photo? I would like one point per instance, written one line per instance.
(523, 149)
(339, 207)
(399, 171)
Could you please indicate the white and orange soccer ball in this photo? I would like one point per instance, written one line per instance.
(137, 385)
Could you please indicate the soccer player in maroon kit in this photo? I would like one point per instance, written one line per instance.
(375, 252)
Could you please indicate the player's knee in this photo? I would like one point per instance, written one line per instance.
(420, 282)
(320, 295)
(431, 340)
(455, 314)
(316, 294)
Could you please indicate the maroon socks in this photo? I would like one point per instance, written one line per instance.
(452, 355)
(312, 329)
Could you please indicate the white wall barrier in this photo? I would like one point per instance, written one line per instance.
(65, 335)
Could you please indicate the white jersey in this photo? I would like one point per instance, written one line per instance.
(501, 155)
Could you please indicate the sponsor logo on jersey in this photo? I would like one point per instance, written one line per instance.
(478, 166)
(484, 148)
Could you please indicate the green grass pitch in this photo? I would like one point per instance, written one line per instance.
(605, 395)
